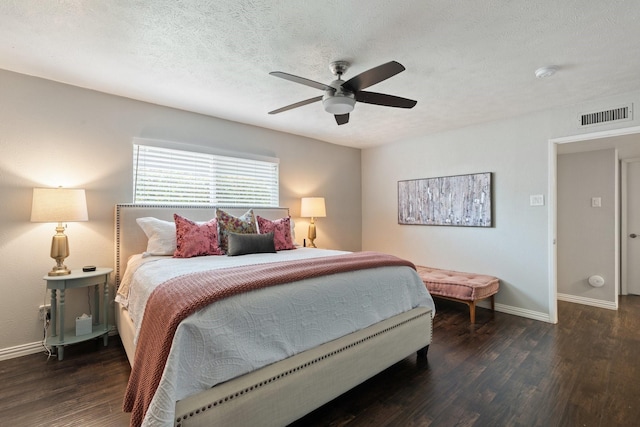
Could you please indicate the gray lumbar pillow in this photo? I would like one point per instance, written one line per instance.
(243, 244)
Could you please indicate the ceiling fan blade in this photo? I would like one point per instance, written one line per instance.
(373, 76)
(342, 119)
(301, 80)
(297, 104)
(383, 99)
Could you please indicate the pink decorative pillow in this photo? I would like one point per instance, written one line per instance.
(281, 229)
(194, 239)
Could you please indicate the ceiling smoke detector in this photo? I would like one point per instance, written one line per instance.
(544, 72)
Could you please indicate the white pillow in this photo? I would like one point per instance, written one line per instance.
(161, 235)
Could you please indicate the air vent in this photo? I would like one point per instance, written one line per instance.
(620, 114)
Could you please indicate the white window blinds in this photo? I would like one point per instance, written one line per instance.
(171, 176)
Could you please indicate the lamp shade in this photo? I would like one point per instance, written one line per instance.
(59, 205)
(312, 207)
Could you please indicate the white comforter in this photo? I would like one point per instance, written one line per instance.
(251, 330)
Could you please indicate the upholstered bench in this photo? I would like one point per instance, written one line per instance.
(468, 288)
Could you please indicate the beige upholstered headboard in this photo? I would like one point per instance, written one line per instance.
(131, 240)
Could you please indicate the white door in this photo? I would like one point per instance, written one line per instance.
(632, 239)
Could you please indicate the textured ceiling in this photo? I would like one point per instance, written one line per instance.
(467, 61)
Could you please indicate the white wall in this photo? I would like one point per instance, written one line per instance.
(586, 237)
(517, 248)
(53, 134)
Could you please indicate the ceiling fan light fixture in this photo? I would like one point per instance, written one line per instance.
(340, 96)
(338, 104)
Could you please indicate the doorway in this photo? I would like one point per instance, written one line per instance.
(627, 141)
(630, 236)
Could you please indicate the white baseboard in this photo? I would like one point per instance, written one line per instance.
(21, 350)
(588, 301)
(32, 348)
(523, 312)
(516, 311)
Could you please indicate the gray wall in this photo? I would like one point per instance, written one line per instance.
(586, 234)
(53, 134)
(518, 152)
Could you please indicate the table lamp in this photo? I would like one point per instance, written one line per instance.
(59, 205)
(312, 207)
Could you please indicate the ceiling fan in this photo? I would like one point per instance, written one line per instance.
(340, 96)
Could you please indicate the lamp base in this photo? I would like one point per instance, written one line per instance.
(312, 234)
(59, 271)
(59, 251)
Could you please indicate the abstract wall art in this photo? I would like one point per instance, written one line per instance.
(461, 200)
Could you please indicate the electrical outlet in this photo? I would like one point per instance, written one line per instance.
(44, 310)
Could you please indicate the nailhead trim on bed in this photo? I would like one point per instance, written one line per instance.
(292, 370)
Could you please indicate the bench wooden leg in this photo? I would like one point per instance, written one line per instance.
(472, 311)
(471, 304)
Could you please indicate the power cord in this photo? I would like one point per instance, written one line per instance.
(46, 322)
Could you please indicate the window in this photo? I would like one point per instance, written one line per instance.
(176, 176)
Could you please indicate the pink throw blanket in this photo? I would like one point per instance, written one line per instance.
(177, 298)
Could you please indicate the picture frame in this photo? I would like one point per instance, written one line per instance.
(458, 200)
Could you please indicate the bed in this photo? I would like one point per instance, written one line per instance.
(286, 383)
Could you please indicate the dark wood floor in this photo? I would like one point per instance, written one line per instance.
(503, 371)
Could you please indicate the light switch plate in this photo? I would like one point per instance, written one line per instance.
(536, 200)
(596, 202)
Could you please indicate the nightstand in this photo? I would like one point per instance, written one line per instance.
(78, 279)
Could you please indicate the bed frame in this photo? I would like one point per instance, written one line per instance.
(280, 393)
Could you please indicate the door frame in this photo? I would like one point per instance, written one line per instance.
(624, 265)
(553, 207)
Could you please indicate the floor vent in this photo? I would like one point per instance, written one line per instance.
(619, 114)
